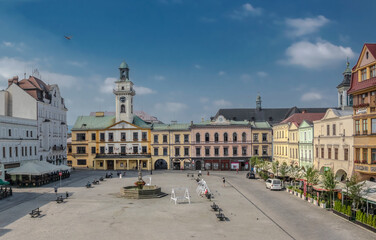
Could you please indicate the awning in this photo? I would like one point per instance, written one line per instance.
(368, 191)
(37, 168)
(2, 182)
(321, 188)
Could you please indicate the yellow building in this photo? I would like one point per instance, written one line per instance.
(113, 142)
(363, 91)
(293, 143)
(261, 140)
(280, 143)
(171, 146)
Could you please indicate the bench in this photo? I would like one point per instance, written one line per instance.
(35, 213)
(88, 185)
(215, 207)
(101, 179)
(95, 182)
(60, 199)
(220, 215)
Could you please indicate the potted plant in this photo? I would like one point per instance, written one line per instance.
(315, 200)
(322, 204)
(309, 198)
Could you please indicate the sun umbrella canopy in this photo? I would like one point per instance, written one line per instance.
(29, 168)
(320, 187)
(3, 182)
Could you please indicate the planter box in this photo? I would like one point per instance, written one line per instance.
(296, 193)
(300, 195)
(310, 200)
(323, 205)
(366, 226)
(315, 202)
(303, 197)
(342, 215)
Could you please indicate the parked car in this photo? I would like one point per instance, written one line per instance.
(250, 175)
(273, 184)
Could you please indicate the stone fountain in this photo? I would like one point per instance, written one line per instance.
(140, 190)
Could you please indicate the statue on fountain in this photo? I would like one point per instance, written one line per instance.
(140, 183)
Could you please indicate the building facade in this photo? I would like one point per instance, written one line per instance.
(333, 143)
(363, 91)
(306, 144)
(293, 144)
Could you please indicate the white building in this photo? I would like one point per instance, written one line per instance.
(51, 116)
(18, 128)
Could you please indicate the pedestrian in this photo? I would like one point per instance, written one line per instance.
(224, 182)
(55, 188)
(151, 171)
(237, 170)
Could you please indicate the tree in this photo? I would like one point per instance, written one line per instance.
(254, 161)
(329, 183)
(312, 176)
(284, 169)
(275, 166)
(355, 190)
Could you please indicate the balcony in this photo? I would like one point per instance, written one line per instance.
(144, 139)
(135, 139)
(364, 167)
(123, 155)
(111, 140)
(123, 139)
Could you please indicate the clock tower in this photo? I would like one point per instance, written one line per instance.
(124, 93)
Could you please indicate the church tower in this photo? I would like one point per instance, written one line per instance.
(124, 93)
(258, 102)
(345, 100)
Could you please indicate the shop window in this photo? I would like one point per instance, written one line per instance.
(81, 162)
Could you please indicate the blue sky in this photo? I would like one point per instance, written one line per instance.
(187, 58)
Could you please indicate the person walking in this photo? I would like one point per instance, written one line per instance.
(55, 188)
(224, 182)
(237, 170)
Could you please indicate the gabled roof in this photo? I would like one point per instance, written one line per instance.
(33, 85)
(300, 117)
(92, 122)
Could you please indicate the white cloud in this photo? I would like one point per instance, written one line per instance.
(62, 80)
(98, 99)
(246, 77)
(204, 100)
(77, 64)
(170, 107)
(315, 55)
(197, 66)
(262, 74)
(8, 44)
(159, 77)
(222, 103)
(311, 96)
(303, 26)
(143, 90)
(245, 11)
(221, 73)
(108, 85)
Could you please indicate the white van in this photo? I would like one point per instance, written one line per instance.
(274, 184)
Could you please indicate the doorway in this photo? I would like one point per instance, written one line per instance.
(110, 164)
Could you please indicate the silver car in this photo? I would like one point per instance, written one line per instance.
(274, 184)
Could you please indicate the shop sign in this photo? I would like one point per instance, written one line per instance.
(234, 166)
(361, 111)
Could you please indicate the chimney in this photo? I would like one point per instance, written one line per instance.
(13, 80)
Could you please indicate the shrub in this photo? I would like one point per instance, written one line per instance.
(349, 212)
(369, 219)
(364, 218)
(374, 221)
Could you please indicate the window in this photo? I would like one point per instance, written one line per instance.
(357, 154)
(122, 136)
(135, 149)
(365, 126)
(156, 138)
(207, 137)
(102, 137)
(177, 151)
(123, 150)
(264, 150)
(329, 153)
(164, 138)
(31, 133)
(93, 150)
(10, 152)
(373, 71)
(216, 151)
(135, 136)
(322, 152)
(198, 151)
(207, 151)
(327, 130)
(346, 154)
(165, 151)
(264, 137)
(144, 136)
(364, 74)
(186, 138)
(225, 151)
(79, 136)
(373, 123)
(336, 153)
(25, 151)
(234, 151)
(27, 134)
(373, 155)
(234, 137)
(110, 136)
(305, 136)
(110, 149)
(255, 151)
(10, 132)
(365, 155)
(357, 127)
(244, 137)
(80, 150)
(317, 152)
(144, 149)
(16, 151)
(186, 151)
(244, 151)
(177, 138)
(122, 108)
(197, 137)
(101, 150)
(225, 137)
(255, 137)
(216, 137)
(334, 130)
(363, 97)
(93, 136)
(310, 155)
(81, 161)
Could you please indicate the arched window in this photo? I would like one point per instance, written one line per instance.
(197, 137)
(234, 137)
(244, 137)
(122, 108)
(207, 137)
(216, 137)
(225, 137)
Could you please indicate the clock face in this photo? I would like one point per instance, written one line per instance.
(122, 99)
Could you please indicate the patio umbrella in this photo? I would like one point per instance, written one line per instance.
(2, 182)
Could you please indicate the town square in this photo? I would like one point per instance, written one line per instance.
(185, 119)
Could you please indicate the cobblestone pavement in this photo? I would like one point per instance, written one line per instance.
(99, 213)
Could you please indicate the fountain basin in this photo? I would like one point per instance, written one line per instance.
(133, 192)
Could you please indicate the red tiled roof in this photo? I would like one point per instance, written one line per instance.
(300, 117)
(355, 85)
(32, 86)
